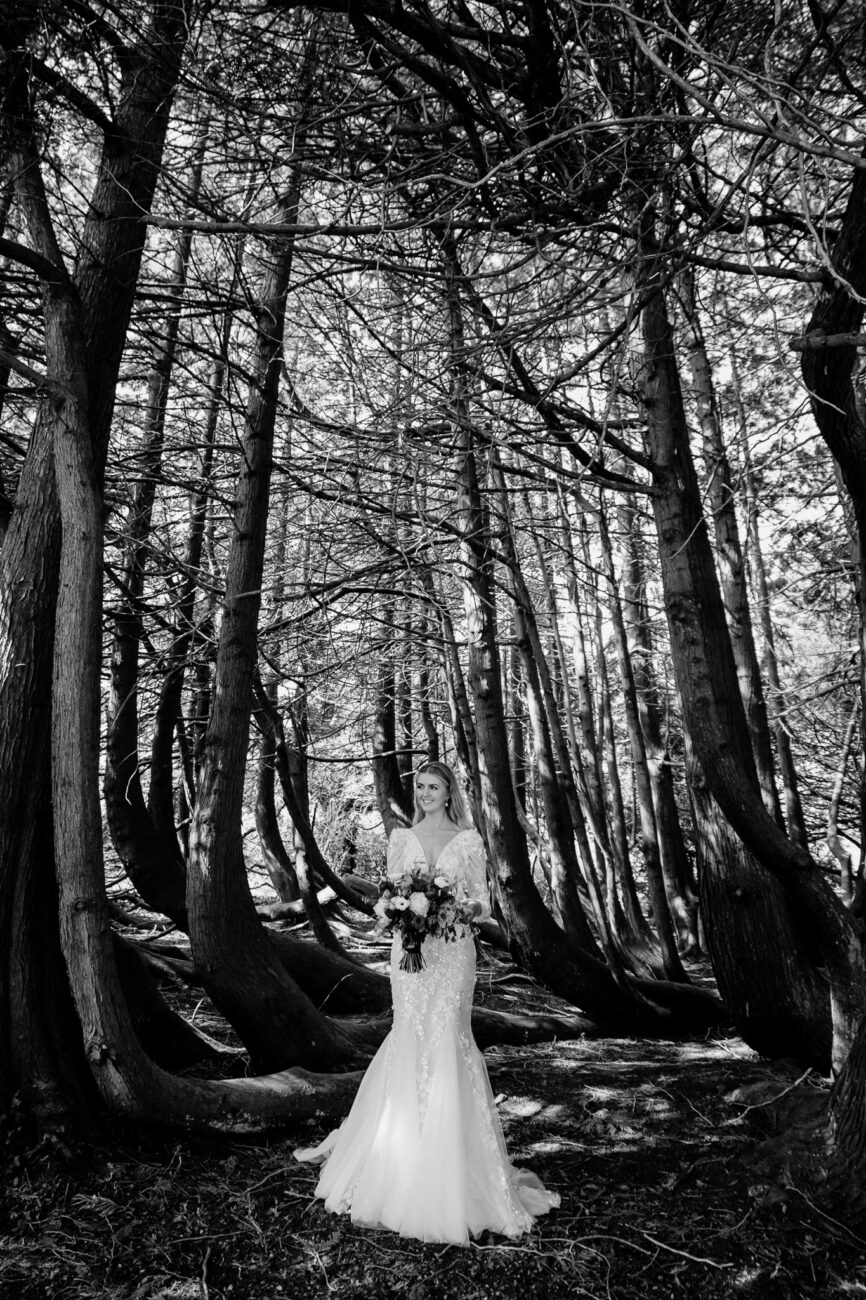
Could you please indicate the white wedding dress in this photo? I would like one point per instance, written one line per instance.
(422, 1151)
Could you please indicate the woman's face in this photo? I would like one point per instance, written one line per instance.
(431, 792)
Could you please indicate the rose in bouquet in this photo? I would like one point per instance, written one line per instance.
(417, 904)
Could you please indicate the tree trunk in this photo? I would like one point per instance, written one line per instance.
(298, 811)
(403, 707)
(127, 1078)
(564, 872)
(395, 808)
(834, 844)
(606, 814)
(153, 864)
(239, 968)
(171, 1041)
(794, 815)
(707, 682)
(767, 977)
(579, 777)
(552, 761)
(534, 938)
(462, 722)
(44, 1058)
(428, 722)
(658, 885)
(729, 552)
(279, 865)
(829, 373)
(679, 878)
(845, 1186)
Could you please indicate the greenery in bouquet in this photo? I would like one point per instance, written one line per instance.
(418, 904)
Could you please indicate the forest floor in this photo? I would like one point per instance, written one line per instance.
(671, 1185)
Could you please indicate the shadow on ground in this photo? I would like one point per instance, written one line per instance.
(652, 1146)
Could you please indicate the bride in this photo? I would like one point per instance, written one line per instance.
(422, 1151)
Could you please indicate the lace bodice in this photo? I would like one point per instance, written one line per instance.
(461, 861)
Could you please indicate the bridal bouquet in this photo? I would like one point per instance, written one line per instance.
(417, 904)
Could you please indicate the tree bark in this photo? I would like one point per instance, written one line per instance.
(552, 761)
(278, 861)
(658, 886)
(239, 968)
(606, 814)
(794, 815)
(34, 1000)
(845, 1185)
(280, 866)
(171, 1041)
(829, 374)
(298, 810)
(679, 877)
(766, 974)
(395, 809)
(729, 552)
(707, 682)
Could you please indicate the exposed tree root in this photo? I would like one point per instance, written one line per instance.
(173, 1042)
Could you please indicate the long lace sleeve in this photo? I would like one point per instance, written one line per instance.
(475, 874)
(395, 862)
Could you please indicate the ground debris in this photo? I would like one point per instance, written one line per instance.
(655, 1148)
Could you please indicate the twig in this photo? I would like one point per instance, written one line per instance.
(318, 1259)
(205, 1236)
(205, 1290)
(697, 1259)
(340, 981)
(757, 1105)
(605, 1236)
(826, 1216)
(278, 1173)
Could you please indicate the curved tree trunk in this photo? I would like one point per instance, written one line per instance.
(829, 368)
(278, 862)
(167, 721)
(829, 372)
(40, 1039)
(279, 865)
(585, 789)
(315, 913)
(534, 937)
(152, 862)
(105, 277)
(767, 977)
(173, 1042)
(707, 682)
(562, 812)
(238, 965)
(729, 553)
(297, 809)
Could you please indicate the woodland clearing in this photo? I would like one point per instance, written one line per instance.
(673, 1184)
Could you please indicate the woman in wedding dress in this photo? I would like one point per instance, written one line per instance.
(422, 1151)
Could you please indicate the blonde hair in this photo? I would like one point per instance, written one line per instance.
(455, 805)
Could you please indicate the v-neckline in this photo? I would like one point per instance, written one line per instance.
(461, 831)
